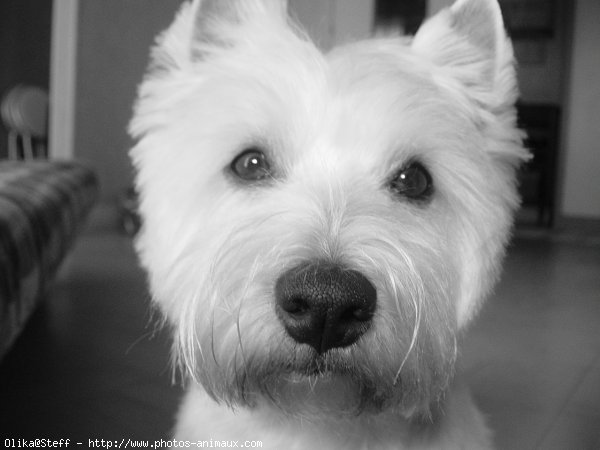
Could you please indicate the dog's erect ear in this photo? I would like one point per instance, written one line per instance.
(470, 53)
(205, 27)
(218, 22)
(469, 41)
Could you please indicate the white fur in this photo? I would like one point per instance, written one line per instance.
(233, 74)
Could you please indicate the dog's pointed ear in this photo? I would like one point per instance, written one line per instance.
(218, 22)
(469, 41)
(213, 15)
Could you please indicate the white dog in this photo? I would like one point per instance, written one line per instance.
(318, 228)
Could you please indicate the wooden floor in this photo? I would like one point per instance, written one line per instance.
(90, 364)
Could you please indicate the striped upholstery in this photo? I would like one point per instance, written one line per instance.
(42, 206)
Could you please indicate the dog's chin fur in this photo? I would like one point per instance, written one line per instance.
(229, 75)
(309, 385)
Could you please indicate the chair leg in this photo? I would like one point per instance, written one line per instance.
(13, 145)
(28, 147)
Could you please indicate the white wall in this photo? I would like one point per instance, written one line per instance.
(332, 22)
(581, 190)
(114, 38)
(353, 19)
(434, 6)
(63, 73)
(316, 16)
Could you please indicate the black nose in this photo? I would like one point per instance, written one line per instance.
(324, 305)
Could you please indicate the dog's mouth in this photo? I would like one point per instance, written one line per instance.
(318, 365)
(332, 380)
(329, 383)
(308, 363)
(313, 377)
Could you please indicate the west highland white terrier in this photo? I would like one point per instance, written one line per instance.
(318, 229)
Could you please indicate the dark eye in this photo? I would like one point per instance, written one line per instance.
(251, 165)
(413, 182)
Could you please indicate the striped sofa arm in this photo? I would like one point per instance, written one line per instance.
(42, 207)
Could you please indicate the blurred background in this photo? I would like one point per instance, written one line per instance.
(88, 361)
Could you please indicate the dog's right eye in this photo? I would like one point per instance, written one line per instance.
(413, 182)
(251, 165)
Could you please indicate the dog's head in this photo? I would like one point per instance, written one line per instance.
(319, 227)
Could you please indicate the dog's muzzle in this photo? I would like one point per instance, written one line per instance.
(324, 305)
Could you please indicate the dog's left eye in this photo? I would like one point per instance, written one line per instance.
(413, 181)
(251, 165)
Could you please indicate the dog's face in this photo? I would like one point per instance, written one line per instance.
(318, 228)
